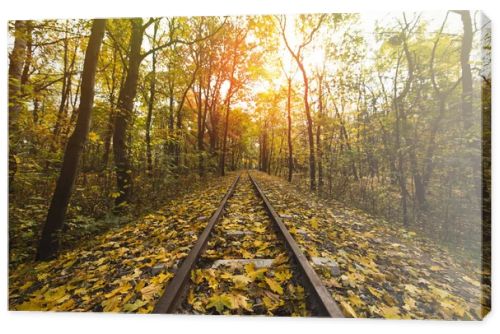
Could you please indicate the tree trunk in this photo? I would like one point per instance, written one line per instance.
(107, 138)
(171, 122)
(263, 149)
(401, 171)
(68, 67)
(111, 120)
(345, 137)
(318, 135)
(429, 154)
(152, 90)
(178, 131)
(412, 158)
(15, 91)
(310, 135)
(310, 128)
(201, 131)
(397, 105)
(289, 131)
(466, 70)
(64, 87)
(29, 53)
(179, 116)
(49, 242)
(271, 150)
(123, 117)
(224, 143)
(259, 162)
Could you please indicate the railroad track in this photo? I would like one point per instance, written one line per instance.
(272, 232)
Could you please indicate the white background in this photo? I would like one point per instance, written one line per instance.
(38, 322)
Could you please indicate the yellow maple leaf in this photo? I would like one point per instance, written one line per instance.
(254, 274)
(269, 304)
(132, 307)
(241, 281)
(240, 301)
(139, 286)
(355, 300)
(348, 310)
(220, 302)
(150, 291)
(159, 279)
(197, 276)
(274, 286)
(272, 302)
(283, 275)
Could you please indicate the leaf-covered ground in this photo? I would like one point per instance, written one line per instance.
(245, 232)
(385, 271)
(124, 270)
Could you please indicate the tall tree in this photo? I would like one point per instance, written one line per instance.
(235, 54)
(442, 94)
(16, 63)
(68, 65)
(49, 242)
(466, 69)
(289, 128)
(125, 107)
(29, 52)
(298, 56)
(319, 149)
(151, 100)
(113, 83)
(289, 77)
(398, 105)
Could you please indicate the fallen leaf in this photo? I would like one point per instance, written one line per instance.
(220, 302)
(348, 310)
(274, 286)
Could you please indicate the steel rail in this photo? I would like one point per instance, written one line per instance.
(319, 298)
(175, 289)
